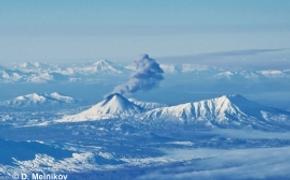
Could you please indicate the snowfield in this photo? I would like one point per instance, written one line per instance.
(104, 149)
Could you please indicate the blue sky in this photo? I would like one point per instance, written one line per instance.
(73, 30)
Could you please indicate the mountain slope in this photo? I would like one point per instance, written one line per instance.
(224, 111)
(113, 106)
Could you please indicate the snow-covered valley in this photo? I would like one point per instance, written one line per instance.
(142, 140)
(110, 149)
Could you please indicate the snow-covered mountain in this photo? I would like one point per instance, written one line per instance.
(243, 74)
(9, 76)
(33, 75)
(34, 67)
(233, 111)
(113, 106)
(274, 73)
(38, 101)
(169, 68)
(35, 72)
(184, 68)
(222, 73)
(97, 67)
(100, 66)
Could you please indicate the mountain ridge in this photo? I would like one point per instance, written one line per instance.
(223, 111)
(227, 111)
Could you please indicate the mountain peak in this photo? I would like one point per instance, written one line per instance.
(102, 62)
(145, 56)
(226, 111)
(235, 99)
(223, 111)
(103, 65)
(113, 106)
(117, 101)
(115, 96)
(33, 98)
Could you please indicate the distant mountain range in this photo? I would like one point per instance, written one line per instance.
(43, 73)
(232, 111)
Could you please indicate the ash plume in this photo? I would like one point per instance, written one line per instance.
(147, 76)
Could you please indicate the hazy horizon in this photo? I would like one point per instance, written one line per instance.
(79, 30)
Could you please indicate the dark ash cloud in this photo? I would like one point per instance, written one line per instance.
(147, 76)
